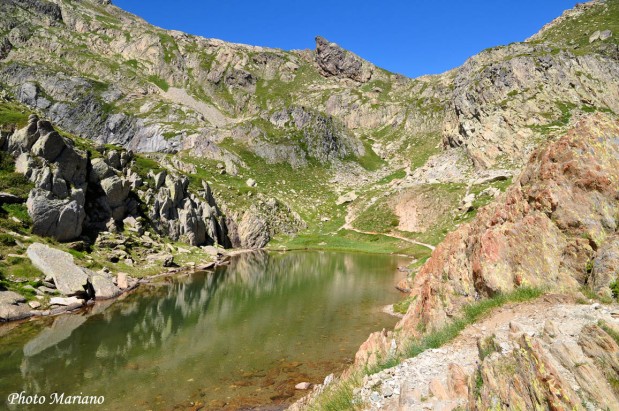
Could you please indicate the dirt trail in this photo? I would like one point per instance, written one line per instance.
(415, 382)
(350, 217)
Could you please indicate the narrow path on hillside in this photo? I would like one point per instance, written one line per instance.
(423, 382)
(399, 237)
(350, 217)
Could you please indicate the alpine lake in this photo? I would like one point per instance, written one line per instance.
(239, 337)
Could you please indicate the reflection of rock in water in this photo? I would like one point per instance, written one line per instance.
(145, 330)
(60, 330)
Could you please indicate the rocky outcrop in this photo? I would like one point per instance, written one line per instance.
(58, 170)
(551, 373)
(547, 354)
(263, 220)
(554, 228)
(335, 61)
(193, 218)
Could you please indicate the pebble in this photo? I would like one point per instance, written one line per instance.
(303, 386)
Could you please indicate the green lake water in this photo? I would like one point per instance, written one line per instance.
(237, 338)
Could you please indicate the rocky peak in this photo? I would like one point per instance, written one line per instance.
(335, 61)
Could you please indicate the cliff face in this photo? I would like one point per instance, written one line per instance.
(555, 228)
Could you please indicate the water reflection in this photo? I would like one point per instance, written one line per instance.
(241, 336)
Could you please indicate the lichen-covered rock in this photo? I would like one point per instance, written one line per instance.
(543, 232)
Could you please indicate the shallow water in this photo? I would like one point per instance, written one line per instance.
(238, 338)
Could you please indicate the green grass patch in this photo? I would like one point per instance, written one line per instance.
(401, 307)
(379, 217)
(12, 115)
(610, 331)
(159, 82)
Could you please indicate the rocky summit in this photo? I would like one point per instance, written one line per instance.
(128, 152)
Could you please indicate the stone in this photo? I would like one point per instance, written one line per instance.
(7, 198)
(13, 312)
(346, 198)
(303, 386)
(253, 230)
(100, 170)
(251, 182)
(49, 146)
(606, 34)
(11, 297)
(59, 219)
(68, 301)
(160, 179)
(47, 290)
(34, 304)
(116, 189)
(437, 389)
(122, 281)
(335, 61)
(59, 266)
(103, 287)
(169, 261)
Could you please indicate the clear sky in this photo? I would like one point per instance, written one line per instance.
(408, 37)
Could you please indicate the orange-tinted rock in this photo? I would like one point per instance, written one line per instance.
(542, 232)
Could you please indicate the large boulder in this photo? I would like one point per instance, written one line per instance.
(103, 286)
(59, 219)
(49, 146)
(116, 190)
(58, 265)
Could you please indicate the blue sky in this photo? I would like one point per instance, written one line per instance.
(408, 37)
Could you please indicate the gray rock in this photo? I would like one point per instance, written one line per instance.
(60, 219)
(595, 36)
(47, 290)
(49, 146)
(100, 170)
(122, 281)
(34, 304)
(253, 230)
(605, 267)
(103, 286)
(116, 189)
(10, 297)
(113, 159)
(346, 198)
(251, 182)
(13, 312)
(606, 34)
(160, 179)
(7, 198)
(59, 266)
(69, 301)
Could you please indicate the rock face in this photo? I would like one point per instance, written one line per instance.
(58, 171)
(59, 267)
(335, 61)
(550, 366)
(263, 220)
(554, 228)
